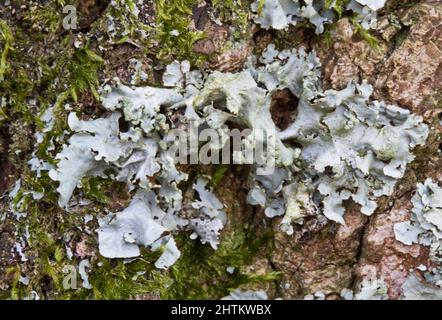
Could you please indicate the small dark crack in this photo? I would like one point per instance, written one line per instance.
(359, 252)
(278, 292)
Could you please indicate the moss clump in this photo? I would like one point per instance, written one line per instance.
(6, 41)
(235, 13)
(103, 191)
(114, 279)
(46, 18)
(372, 41)
(201, 272)
(174, 34)
(83, 72)
(337, 5)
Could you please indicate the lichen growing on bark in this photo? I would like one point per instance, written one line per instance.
(51, 103)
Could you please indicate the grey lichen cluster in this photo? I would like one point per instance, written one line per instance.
(424, 228)
(279, 14)
(341, 145)
(351, 147)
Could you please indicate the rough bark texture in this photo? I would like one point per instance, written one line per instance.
(405, 68)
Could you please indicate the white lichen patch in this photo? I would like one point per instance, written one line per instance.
(425, 226)
(139, 224)
(212, 217)
(372, 289)
(414, 289)
(372, 4)
(170, 255)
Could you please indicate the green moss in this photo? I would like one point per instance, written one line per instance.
(201, 273)
(372, 41)
(83, 72)
(218, 175)
(337, 5)
(14, 273)
(115, 279)
(102, 190)
(325, 39)
(65, 73)
(47, 17)
(15, 83)
(6, 41)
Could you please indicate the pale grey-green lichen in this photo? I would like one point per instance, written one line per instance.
(372, 289)
(425, 225)
(414, 289)
(318, 295)
(170, 255)
(95, 145)
(347, 147)
(279, 14)
(351, 147)
(82, 270)
(139, 224)
(424, 228)
(211, 219)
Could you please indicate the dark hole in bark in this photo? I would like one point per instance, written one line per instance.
(283, 108)
(329, 171)
(221, 103)
(293, 143)
(123, 125)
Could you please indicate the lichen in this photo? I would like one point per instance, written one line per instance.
(348, 148)
(279, 14)
(372, 289)
(425, 225)
(361, 137)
